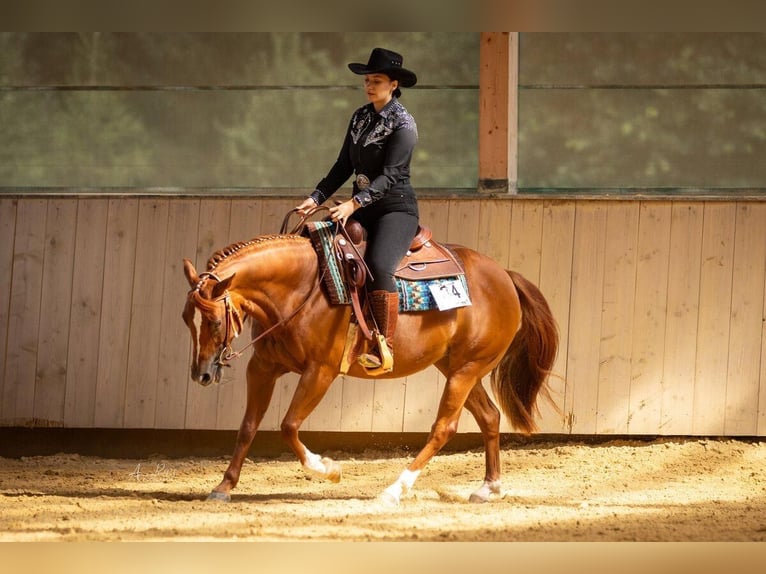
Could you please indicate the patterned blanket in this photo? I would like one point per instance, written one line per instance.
(413, 295)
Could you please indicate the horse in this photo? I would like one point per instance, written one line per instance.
(507, 332)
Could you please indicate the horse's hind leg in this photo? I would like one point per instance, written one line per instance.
(487, 416)
(260, 387)
(456, 392)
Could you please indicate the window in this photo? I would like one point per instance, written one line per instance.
(172, 112)
(642, 111)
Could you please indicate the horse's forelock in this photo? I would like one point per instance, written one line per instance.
(206, 306)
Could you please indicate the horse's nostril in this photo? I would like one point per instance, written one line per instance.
(205, 379)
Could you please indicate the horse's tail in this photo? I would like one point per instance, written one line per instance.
(523, 372)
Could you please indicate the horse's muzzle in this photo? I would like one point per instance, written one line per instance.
(211, 374)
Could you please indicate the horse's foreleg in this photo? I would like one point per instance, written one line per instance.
(311, 388)
(488, 418)
(260, 387)
(444, 428)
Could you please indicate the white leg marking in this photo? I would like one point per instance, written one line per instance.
(484, 492)
(402, 486)
(314, 464)
(322, 466)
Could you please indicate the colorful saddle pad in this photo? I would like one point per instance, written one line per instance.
(414, 295)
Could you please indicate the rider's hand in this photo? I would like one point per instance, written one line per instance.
(342, 211)
(307, 205)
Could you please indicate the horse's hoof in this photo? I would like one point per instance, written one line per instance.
(216, 496)
(388, 499)
(477, 498)
(485, 492)
(334, 470)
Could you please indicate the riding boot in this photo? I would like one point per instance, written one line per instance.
(385, 311)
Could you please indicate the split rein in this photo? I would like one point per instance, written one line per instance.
(227, 354)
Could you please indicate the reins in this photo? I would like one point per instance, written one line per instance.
(302, 221)
(227, 354)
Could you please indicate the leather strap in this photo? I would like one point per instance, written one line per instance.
(355, 272)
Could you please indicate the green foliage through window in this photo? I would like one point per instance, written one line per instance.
(642, 111)
(217, 110)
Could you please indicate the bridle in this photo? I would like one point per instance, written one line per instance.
(234, 321)
(226, 353)
(233, 325)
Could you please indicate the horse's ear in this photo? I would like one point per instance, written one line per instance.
(221, 287)
(191, 273)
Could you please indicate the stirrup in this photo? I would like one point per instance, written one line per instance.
(383, 362)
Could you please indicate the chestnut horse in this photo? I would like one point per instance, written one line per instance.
(508, 331)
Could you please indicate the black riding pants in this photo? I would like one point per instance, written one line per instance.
(388, 238)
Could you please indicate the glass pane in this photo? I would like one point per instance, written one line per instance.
(253, 139)
(255, 110)
(659, 59)
(642, 138)
(228, 59)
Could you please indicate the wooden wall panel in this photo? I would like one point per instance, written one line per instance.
(747, 319)
(357, 404)
(463, 223)
(422, 400)
(435, 215)
(614, 380)
(173, 375)
(85, 319)
(581, 401)
(24, 312)
(526, 240)
(7, 234)
(556, 284)
(714, 318)
(145, 330)
(116, 305)
(660, 306)
(388, 406)
(58, 263)
(495, 230)
(328, 416)
(680, 352)
(761, 428)
(650, 308)
(525, 248)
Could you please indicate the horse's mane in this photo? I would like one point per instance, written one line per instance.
(232, 253)
(243, 248)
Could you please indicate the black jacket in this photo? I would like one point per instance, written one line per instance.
(379, 147)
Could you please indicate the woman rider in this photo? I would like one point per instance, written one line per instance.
(377, 149)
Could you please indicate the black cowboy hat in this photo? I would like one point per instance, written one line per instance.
(386, 62)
